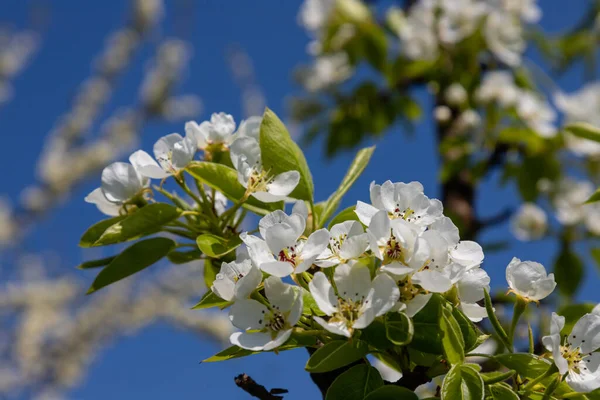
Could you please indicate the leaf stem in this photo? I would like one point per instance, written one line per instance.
(531, 384)
(518, 310)
(495, 323)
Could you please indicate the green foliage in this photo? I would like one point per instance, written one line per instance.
(215, 246)
(211, 269)
(355, 383)
(183, 257)
(392, 392)
(462, 382)
(93, 233)
(96, 263)
(584, 130)
(210, 300)
(399, 328)
(281, 154)
(225, 180)
(358, 165)
(133, 259)
(527, 365)
(336, 354)
(428, 336)
(452, 340)
(346, 214)
(572, 313)
(501, 391)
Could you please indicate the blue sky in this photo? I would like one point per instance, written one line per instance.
(162, 362)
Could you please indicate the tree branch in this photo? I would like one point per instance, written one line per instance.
(249, 385)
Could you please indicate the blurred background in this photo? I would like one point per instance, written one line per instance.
(85, 83)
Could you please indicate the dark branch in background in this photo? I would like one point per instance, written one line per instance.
(249, 385)
(494, 220)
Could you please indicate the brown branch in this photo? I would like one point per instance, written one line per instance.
(249, 385)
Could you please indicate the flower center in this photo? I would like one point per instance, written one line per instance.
(290, 255)
(259, 179)
(393, 251)
(573, 357)
(166, 162)
(407, 290)
(336, 242)
(276, 321)
(407, 214)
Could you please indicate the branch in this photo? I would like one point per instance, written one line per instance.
(249, 385)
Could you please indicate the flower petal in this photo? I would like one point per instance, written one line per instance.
(250, 341)
(248, 314)
(316, 243)
(280, 339)
(97, 197)
(284, 183)
(281, 236)
(246, 285)
(432, 281)
(365, 212)
(467, 253)
(417, 304)
(279, 269)
(337, 327)
(323, 294)
(280, 295)
(473, 311)
(353, 282)
(471, 285)
(586, 333)
(120, 182)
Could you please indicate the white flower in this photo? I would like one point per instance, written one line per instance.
(246, 158)
(417, 32)
(121, 183)
(250, 127)
(569, 197)
(314, 13)
(401, 201)
(504, 36)
(266, 327)
(236, 280)
(459, 19)
(456, 94)
(397, 244)
(537, 114)
(348, 241)
(470, 291)
(358, 301)
(388, 373)
(173, 153)
(529, 222)
(326, 71)
(529, 280)
(581, 106)
(527, 10)
(216, 133)
(498, 86)
(575, 356)
(442, 114)
(283, 251)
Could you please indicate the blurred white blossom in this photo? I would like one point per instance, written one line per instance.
(529, 222)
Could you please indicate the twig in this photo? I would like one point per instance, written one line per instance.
(249, 385)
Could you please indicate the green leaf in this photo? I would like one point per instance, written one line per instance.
(584, 130)
(497, 376)
(183, 257)
(389, 392)
(470, 332)
(336, 354)
(594, 197)
(133, 259)
(96, 263)
(501, 391)
(462, 382)
(355, 383)
(211, 269)
(356, 169)
(210, 300)
(95, 231)
(528, 365)
(230, 353)
(452, 341)
(596, 256)
(309, 305)
(399, 328)
(375, 335)
(225, 180)
(347, 214)
(215, 246)
(147, 220)
(280, 153)
(428, 336)
(572, 314)
(568, 271)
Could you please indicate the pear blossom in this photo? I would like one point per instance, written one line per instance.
(236, 280)
(529, 280)
(266, 327)
(173, 153)
(121, 183)
(283, 251)
(498, 86)
(417, 32)
(214, 134)
(246, 158)
(401, 201)
(358, 301)
(569, 198)
(250, 127)
(348, 241)
(459, 19)
(530, 222)
(470, 288)
(326, 71)
(537, 114)
(456, 94)
(576, 355)
(504, 36)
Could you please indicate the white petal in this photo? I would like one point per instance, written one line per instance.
(586, 333)
(588, 379)
(529, 279)
(198, 132)
(316, 243)
(277, 268)
(300, 209)
(471, 285)
(97, 197)
(223, 125)
(223, 287)
(250, 341)
(281, 236)
(384, 296)
(432, 281)
(280, 339)
(248, 314)
(165, 145)
(250, 127)
(375, 194)
(365, 212)
(183, 153)
(353, 282)
(267, 197)
(473, 311)
(257, 249)
(447, 229)
(322, 292)
(467, 253)
(120, 182)
(284, 183)
(245, 150)
(280, 295)
(380, 225)
(397, 268)
(354, 246)
(246, 285)
(417, 304)
(338, 328)
(388, 197)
